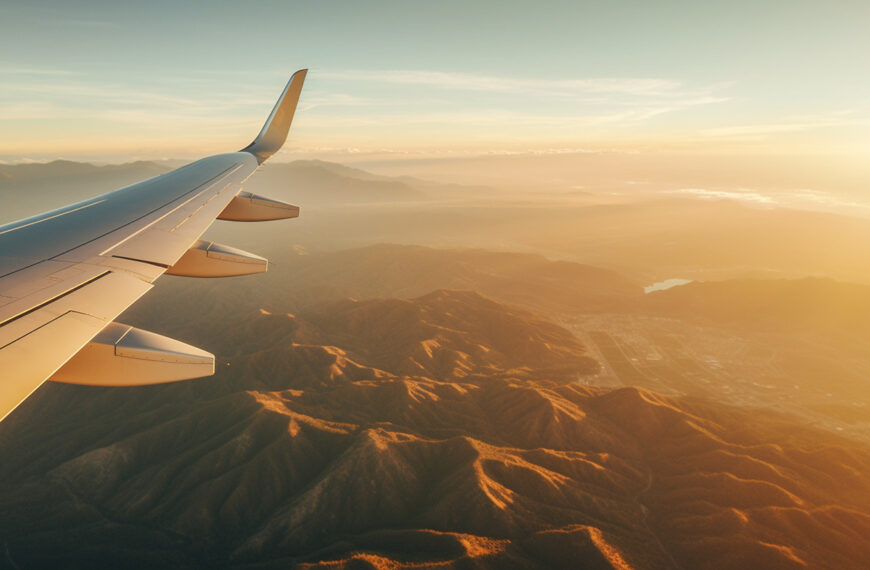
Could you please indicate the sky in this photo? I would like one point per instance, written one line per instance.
(114, 81)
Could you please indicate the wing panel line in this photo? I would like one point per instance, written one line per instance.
(154, 263)
(51, 300)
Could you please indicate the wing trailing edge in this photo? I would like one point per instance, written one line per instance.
(274, 132)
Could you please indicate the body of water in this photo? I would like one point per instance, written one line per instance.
(666, 284)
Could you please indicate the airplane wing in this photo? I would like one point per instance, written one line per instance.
(67, 274)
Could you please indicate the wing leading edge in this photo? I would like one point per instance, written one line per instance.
(67, 274)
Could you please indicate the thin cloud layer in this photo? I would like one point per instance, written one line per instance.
(528, 85)
(356, 102)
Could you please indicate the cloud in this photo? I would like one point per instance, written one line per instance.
(788, 125)
(315, 99)
(761, 129)
(92, 23)
(105, 93)
(801, 199)
(461, 123)
(636, 86)
(505, 103)
(18, 71)
(741, 195)
(40, 95)
(809, 195)
(513, 109)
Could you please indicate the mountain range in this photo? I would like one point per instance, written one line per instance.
(442, 430)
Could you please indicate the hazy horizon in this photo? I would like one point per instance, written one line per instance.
(629, 98)
(404, 79)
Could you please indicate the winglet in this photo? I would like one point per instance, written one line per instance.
(274, 132)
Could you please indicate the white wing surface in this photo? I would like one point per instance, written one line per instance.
(66, 275)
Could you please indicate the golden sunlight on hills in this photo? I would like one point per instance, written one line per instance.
(448, 455)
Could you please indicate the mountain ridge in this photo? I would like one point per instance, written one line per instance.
(334, 456)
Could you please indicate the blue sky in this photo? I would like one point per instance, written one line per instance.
(121, 79)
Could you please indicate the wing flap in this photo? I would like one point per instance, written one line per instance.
(24, 364)
(40, 342)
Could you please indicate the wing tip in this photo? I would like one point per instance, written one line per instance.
(277, 126)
